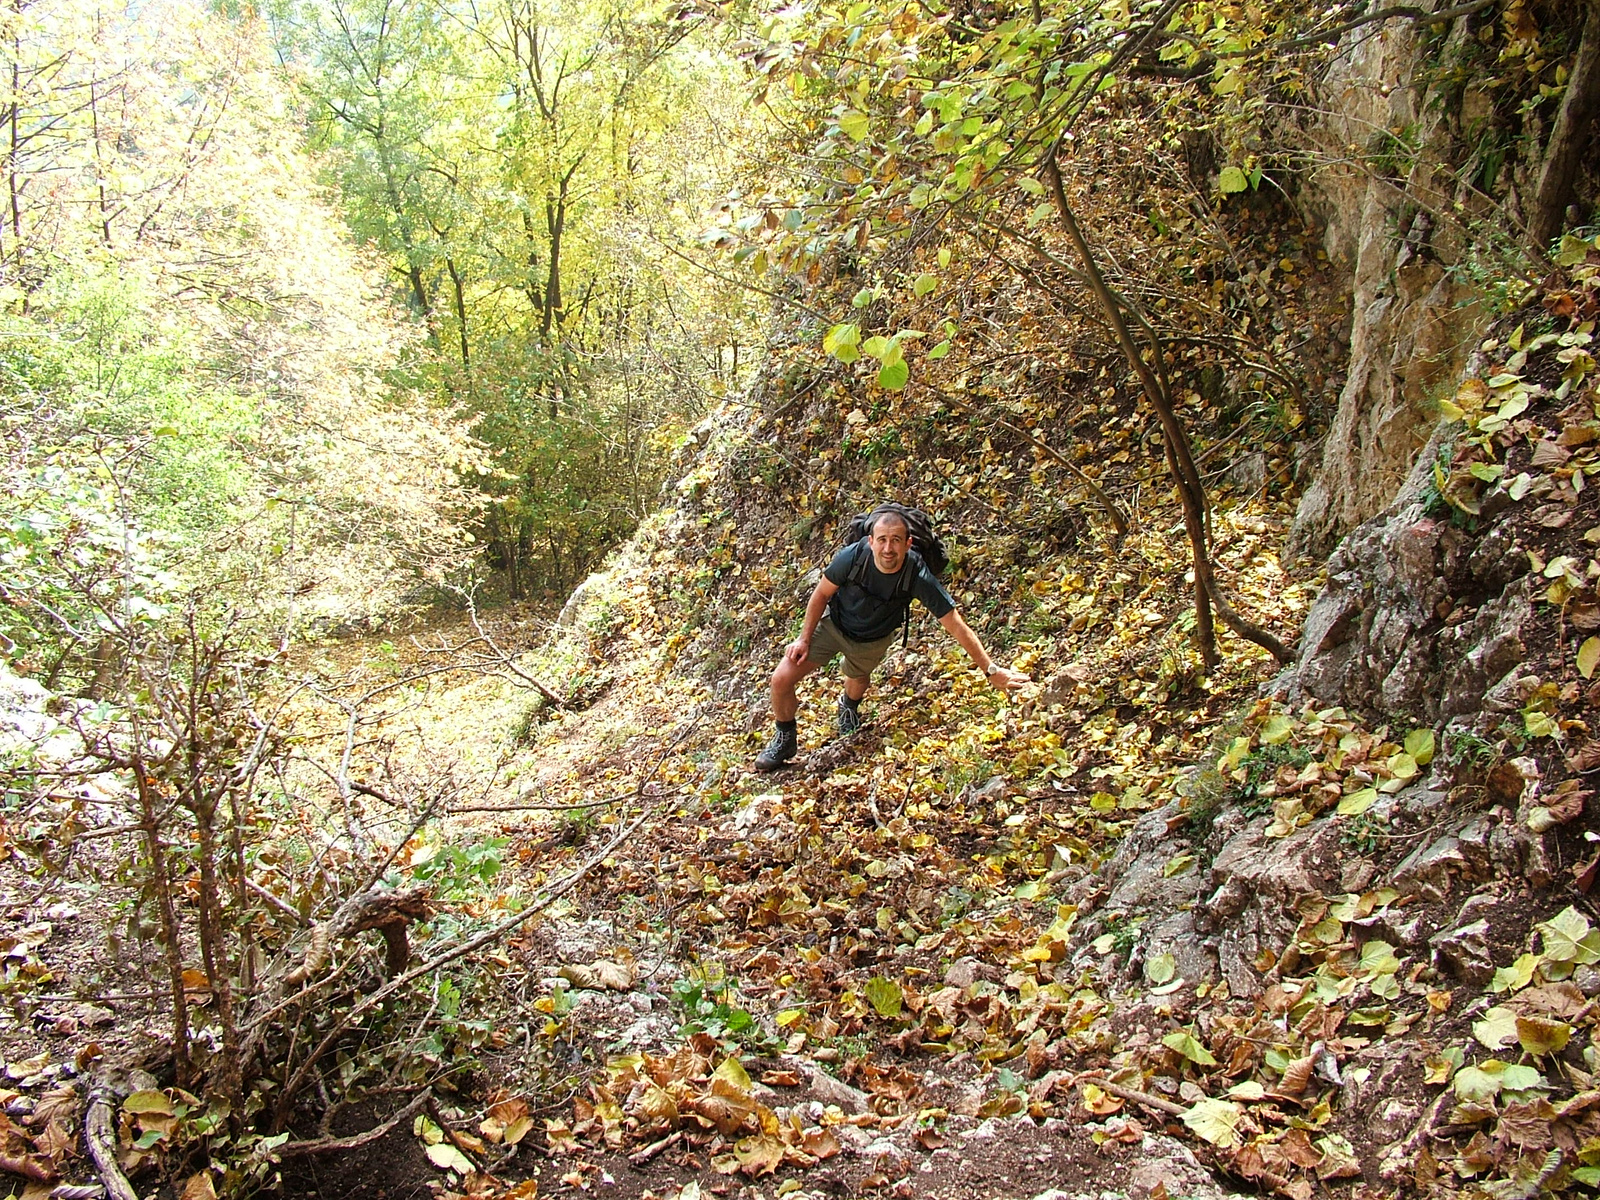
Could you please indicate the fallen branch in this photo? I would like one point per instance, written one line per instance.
(100, 1136)
(655, 1148)
(387, 912)
(332, 1145)
(1138, 1097)
(297, 1080)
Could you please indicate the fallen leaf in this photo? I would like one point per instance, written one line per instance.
(1217, 1121)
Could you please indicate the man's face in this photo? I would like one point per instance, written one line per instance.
(890, 541)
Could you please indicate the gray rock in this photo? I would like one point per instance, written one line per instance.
(1394, 1119)
(1428, 868)
(1464, 952)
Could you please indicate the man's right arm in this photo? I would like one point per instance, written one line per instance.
(815, 607)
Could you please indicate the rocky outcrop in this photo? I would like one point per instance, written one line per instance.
(1388, 144)
(1418, 617)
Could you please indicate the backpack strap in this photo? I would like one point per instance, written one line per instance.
(858, 565)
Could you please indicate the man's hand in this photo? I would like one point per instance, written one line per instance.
(797, 650)
(1008, 680)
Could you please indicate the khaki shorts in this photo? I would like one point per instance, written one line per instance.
(859, 657)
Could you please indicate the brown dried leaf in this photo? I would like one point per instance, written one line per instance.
(1548, 454)
(820, 1143)
(1527, 1126)
(1297, 1075)
(54, 1141)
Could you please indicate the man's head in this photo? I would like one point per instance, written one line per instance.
(890, 538)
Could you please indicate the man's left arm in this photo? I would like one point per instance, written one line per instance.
(1001, 677)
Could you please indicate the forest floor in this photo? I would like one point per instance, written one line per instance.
(845, 978)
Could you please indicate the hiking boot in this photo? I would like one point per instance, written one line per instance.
(783, 746)
(849, 718)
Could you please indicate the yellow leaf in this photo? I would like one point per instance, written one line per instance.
(732, 1071)
(1216, 1121)
(1540, 1036)
(1589, 657)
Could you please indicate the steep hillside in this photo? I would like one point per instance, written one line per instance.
(1325, 939)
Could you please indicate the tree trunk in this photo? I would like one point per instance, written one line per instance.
(1573, 131)
(1191, 491)
(461, 313)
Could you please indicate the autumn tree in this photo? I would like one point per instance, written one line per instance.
(523, 169)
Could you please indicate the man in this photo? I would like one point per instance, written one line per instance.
(861, 621)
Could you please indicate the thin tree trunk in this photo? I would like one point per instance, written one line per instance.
(461, 313)
(161, 882)
(1191, 491)
(1573, 130)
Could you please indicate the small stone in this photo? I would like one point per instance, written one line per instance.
(1464, 952)
(1394, 1119)
(1588, 980)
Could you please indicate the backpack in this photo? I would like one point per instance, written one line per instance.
(925, 545)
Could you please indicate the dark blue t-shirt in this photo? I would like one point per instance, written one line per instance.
(874, 608)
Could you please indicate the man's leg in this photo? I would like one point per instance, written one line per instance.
(785, 703)
(785, 742)
(849, 715)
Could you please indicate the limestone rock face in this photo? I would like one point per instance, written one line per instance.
(1411, 325)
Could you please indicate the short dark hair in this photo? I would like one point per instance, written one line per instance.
(890, 513)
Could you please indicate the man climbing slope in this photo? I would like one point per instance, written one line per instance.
(855, 611)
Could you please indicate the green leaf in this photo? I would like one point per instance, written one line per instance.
(1538, 724)
(1517, 976)
(876, 346)
(1277, 730)
(1185, 1044)
(1232, 179)
(861, 299)
(1572, 251)
(1515, 1077)
(1476, 1084)
(1031, 185)
(944, 257)
(854, 125)
(1564, 936)
(1419, 744)
(1177, 865)
(841, 337)
(894, 375)
(924, 284)
(1160, 968)
(1217, 1121)
(1497, 1028)
(1403, 766)
(940, 350)
(885, 996)
(1357, 803)
(1379, 958)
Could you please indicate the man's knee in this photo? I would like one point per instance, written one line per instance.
(787, 673)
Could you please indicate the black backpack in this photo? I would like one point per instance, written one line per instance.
(925, 545)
